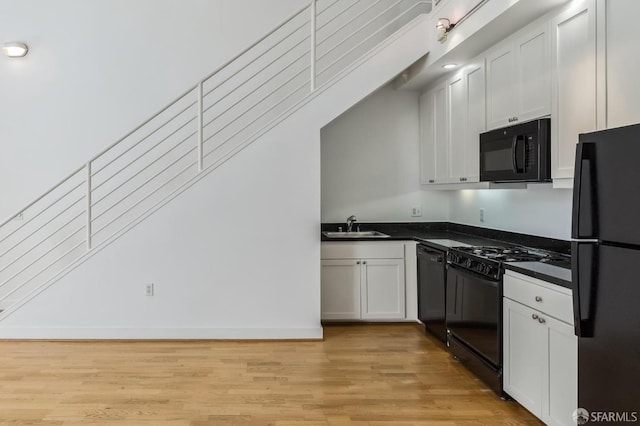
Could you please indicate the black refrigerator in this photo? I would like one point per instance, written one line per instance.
(606, 273)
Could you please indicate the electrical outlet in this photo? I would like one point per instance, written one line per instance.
(149, 289)
(481, 215)
(416, 211)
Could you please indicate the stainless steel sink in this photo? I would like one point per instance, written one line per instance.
(361, 234)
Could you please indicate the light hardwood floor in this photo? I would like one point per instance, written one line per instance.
(360, 375)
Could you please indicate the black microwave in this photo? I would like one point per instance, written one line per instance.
(520, 153)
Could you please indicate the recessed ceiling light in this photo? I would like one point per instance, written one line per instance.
(449, 66)
(14, 49)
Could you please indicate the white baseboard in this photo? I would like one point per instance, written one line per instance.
(92, 333)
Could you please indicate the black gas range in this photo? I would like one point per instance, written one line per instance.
(474, 304)
(487, 260)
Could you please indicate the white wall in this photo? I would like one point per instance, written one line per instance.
(97, 69)
(369, 163)
(214, 268)
(235, 256)
(538, 210)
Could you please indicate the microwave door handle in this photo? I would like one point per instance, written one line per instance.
(514, 158)
(514, 154)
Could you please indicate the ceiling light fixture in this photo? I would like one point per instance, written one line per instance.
(15, 49)
(449, 66)
(444, 26)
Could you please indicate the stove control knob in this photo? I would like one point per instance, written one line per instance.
(469, 263)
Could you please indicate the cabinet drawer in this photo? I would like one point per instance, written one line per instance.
(362, 250)
(539, 295)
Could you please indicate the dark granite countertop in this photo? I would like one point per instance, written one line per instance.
(444, 235)
(543, 271)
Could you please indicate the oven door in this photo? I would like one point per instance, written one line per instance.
(474, 313)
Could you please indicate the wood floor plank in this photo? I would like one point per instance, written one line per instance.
(360, 375)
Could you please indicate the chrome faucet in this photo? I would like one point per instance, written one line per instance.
(350, 220)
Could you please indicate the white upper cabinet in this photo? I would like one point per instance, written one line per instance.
(533, 74)
(441, 135)
(622, 30)
(501, 83)
(573, 37)
(456, 118)
(434, 149)
(476, 117)
(452, 116)
(427, 140)
(518, 79)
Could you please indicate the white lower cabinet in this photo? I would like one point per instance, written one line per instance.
(540, 350)
(340, 289)
(355, 287)
(382, 289)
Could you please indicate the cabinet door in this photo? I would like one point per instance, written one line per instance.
(562, 397)
(476, 118)
(525, 352)
(622, 82)
(533, 74)
(441, 134)
(382, 288)
(427, 140)
(434, 143)
(573, 36)
(456, 126)
(340, 289)
(501, 86)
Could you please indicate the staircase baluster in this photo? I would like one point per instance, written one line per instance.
(312, 52)
(200, 127)
(89, 219)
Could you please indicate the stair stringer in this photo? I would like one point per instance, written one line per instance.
(237, 255)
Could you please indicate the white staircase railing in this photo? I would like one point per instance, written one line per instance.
(197, 132)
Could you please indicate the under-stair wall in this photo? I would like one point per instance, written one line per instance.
(234, 256)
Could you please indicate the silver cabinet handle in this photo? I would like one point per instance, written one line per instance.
(432, 181)
(541, 320)
(534, 316)
(538, 299)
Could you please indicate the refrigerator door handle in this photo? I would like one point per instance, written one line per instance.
(584, 273)
(584, 196)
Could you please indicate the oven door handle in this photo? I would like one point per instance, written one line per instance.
(476, 276)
